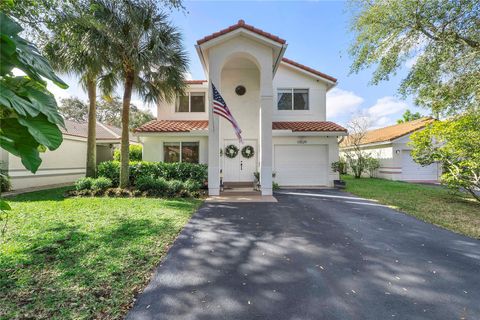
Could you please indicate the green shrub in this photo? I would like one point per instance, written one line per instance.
(275, 186)
(339, 166)
(372, 166)
(192, 185)
(174, 187)
(84, 184)
(134, 151)
(158, 186)
(168, 171)
(110, 170)
(101, 184)
(5, 184)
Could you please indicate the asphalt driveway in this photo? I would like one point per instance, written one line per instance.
(320, 254)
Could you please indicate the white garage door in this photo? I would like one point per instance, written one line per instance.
(413, 171)
(301, 165)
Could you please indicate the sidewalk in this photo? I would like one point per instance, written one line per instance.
(32, 189)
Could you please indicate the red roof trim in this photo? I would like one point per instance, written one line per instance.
(195, 81)
(173, 126)
(308, 126)
(308, 69)
(189, 125)
(241, 24)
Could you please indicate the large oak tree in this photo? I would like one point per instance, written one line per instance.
(440, 38)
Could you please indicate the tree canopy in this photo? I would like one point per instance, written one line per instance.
(440, 39)
(147, 56)
(454, 143)
(108, 112)
(409, 116)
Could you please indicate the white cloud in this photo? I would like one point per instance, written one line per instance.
(387, 106)
(385, 111)
(341, 102)
(188, 76)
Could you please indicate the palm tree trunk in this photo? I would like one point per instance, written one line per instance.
(124, 156)
(92, 125)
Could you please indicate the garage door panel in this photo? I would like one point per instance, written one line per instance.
(413, 171)
(301, 165)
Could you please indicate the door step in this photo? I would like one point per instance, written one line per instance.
(235, 185)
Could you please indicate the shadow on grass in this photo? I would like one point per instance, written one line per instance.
(65, 264)
(57, 194)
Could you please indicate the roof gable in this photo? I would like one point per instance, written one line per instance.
(391, 133)
(309, 70)
(241, 25)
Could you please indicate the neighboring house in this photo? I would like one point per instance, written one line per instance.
(279, 104)
(390, 146)
(68, 162)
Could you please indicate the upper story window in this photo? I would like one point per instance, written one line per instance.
(292, 99)
(192, 102)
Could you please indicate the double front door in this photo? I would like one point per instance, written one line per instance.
(239, 168)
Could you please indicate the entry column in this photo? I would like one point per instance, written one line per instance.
(266, 105)
(213, 136)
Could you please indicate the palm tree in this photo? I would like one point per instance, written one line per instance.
(73, 48)
(146, 53)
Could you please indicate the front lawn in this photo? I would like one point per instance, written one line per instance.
(433, 204)
(83, 258)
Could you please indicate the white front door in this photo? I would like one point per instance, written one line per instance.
(239, 169)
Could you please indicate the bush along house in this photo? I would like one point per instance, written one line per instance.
(278, 105)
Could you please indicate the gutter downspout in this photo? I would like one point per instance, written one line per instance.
(279, 58)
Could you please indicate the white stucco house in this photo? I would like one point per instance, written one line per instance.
(279, 105)
(390, 146)
(68, 162)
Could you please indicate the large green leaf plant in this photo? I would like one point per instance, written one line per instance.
(29, 117)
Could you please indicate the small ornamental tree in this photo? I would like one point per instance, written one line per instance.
(455, 144)
(356, 158)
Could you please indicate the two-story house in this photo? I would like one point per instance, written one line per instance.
(279, 104)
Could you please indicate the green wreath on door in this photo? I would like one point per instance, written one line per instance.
(231, 151)
(248, 152)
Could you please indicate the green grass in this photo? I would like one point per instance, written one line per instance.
(83, 258)
(438, 205)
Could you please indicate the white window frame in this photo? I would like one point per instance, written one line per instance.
(189, 95)
(293, 98)
(180, 143)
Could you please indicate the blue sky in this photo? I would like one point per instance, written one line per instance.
(318, 35)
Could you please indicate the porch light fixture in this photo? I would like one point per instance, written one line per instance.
(240, 90)
(397, 151)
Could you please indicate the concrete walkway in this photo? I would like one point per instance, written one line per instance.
(33, 189)
(316, 254)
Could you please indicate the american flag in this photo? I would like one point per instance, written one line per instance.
(220, 108)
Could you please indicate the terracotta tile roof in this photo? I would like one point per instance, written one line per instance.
(308, 69)
(306, 126)
(391, 132)
(189, 125)
(241, 24)
(173, 126)
(195, 81)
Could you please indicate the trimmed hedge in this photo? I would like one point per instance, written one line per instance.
(181, 171)
(134, 153)
(98, 184)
